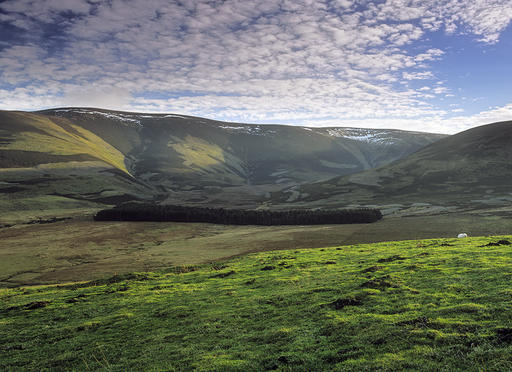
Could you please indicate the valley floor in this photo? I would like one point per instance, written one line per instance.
(81, 249)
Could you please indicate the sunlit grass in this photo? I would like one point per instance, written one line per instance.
(49, 137)
(438, 304)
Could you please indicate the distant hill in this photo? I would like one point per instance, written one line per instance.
(472, 168)
(192, 149)
(72, 156)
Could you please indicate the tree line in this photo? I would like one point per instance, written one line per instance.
(177, 213)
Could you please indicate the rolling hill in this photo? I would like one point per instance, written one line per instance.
(472, 169)
(73, 158)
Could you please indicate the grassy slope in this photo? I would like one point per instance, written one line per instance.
(470, 168)
(52, 166)
(423, 305)
(57, 137)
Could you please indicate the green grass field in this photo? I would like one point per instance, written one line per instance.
(434, 305)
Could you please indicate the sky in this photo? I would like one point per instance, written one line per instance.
(428, 65)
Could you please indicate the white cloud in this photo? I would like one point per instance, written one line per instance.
(503, 113)
(417, 75)
(299, 60)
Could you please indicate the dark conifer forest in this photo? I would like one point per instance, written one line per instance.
(176, 213)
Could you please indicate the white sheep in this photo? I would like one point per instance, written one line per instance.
(462, 235)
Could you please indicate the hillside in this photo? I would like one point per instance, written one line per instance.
(471, 169)
(183, 150)
(82, 158)
(430, 305)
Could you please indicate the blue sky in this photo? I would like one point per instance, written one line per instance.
(429, 65)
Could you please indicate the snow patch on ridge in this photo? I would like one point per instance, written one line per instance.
(127, 119)
(175, 116)
(248, 129)
(364, 135)
(132, 120)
